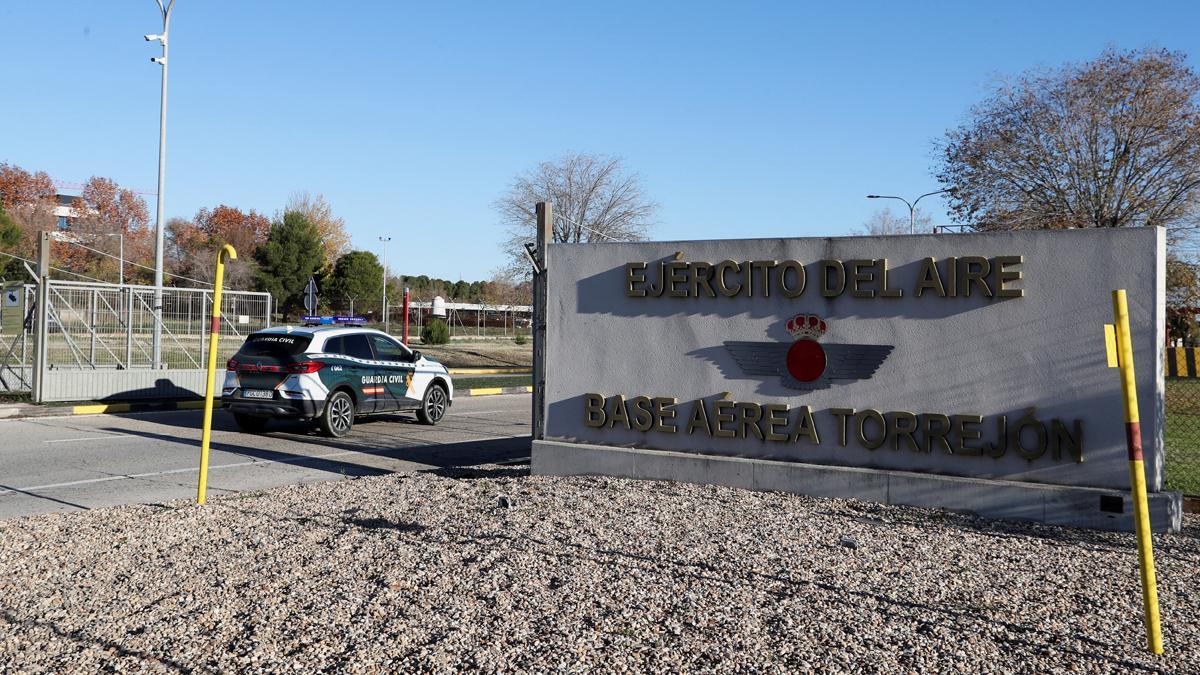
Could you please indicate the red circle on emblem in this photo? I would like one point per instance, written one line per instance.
(806, 360)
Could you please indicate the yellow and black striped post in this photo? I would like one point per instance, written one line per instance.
(1137, 472)
(227, 252)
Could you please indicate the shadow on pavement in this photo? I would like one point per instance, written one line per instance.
(442, 455)
(35, 495)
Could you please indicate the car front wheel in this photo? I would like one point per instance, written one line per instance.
(433, 406)
(339, 415)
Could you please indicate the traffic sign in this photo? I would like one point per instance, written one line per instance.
(12, 297)
(310, 295)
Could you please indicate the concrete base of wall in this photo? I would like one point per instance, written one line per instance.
(125, 385)
(1051, 504)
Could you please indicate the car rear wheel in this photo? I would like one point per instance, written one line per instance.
(433, 406)
(339, 415)
(250, 424)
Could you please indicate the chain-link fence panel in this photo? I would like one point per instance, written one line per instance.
(1182, 435)
(96, 326)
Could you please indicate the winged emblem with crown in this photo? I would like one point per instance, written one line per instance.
(806, 363)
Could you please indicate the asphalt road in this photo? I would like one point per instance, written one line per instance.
(79, 462)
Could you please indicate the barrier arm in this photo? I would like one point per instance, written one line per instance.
(1120, 356)
(227, 252)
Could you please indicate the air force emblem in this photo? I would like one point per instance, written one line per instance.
(805, 363)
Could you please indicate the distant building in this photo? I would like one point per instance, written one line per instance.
(64, 211)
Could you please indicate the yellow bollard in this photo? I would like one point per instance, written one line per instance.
(226, 253)
(1137, 472)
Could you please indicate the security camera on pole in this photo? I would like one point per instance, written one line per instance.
(156, 356)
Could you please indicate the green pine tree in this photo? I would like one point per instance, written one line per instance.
(291, 254)
(357, 275)
(9, 232)
(10, 268)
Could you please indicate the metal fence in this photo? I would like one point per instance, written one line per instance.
(97, 328)
(1182, 433)
(16, 339)
(464, 320)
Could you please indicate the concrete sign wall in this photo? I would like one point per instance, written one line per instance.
(975, 355)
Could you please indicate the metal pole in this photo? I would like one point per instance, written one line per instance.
(386, 322)
(405, 315)
(912, 206)
(162, 176)
(41, 328)
(128, 327)
(1137, 471)
(545, 221)
(203, 306)
(226, 253)
(120, 256)
(92, 342)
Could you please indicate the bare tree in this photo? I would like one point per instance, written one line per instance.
(885, 221)
(502, 291)
(1108, 143)
(595, 197)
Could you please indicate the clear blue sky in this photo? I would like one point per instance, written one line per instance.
(743, 119)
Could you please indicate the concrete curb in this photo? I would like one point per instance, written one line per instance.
(28, 410)
(493, 391)
(502, 370)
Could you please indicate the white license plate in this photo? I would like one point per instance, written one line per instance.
(257, 393)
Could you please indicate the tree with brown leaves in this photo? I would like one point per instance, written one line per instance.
(27, 198)
(104, 213)
(193, 244)
(1112, 142)
(20, 187)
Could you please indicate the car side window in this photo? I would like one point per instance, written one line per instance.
(356, 346)
(387, 350)
(335, 346)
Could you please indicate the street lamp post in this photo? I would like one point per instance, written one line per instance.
(912, 207)
(162, 167)
(121, 253)
(385, 241)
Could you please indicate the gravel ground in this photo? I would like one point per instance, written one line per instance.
(494, 570)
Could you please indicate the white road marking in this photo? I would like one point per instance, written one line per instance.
(152, 474)
(479, 412)
(87, 438)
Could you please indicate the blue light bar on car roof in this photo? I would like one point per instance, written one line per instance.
(309, 320)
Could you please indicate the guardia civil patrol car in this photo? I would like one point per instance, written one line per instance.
(331, 374)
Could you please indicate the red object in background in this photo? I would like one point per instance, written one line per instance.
(406, 316)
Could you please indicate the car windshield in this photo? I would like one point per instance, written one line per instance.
(273, 345)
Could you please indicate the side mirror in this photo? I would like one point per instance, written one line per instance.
(416, 356)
